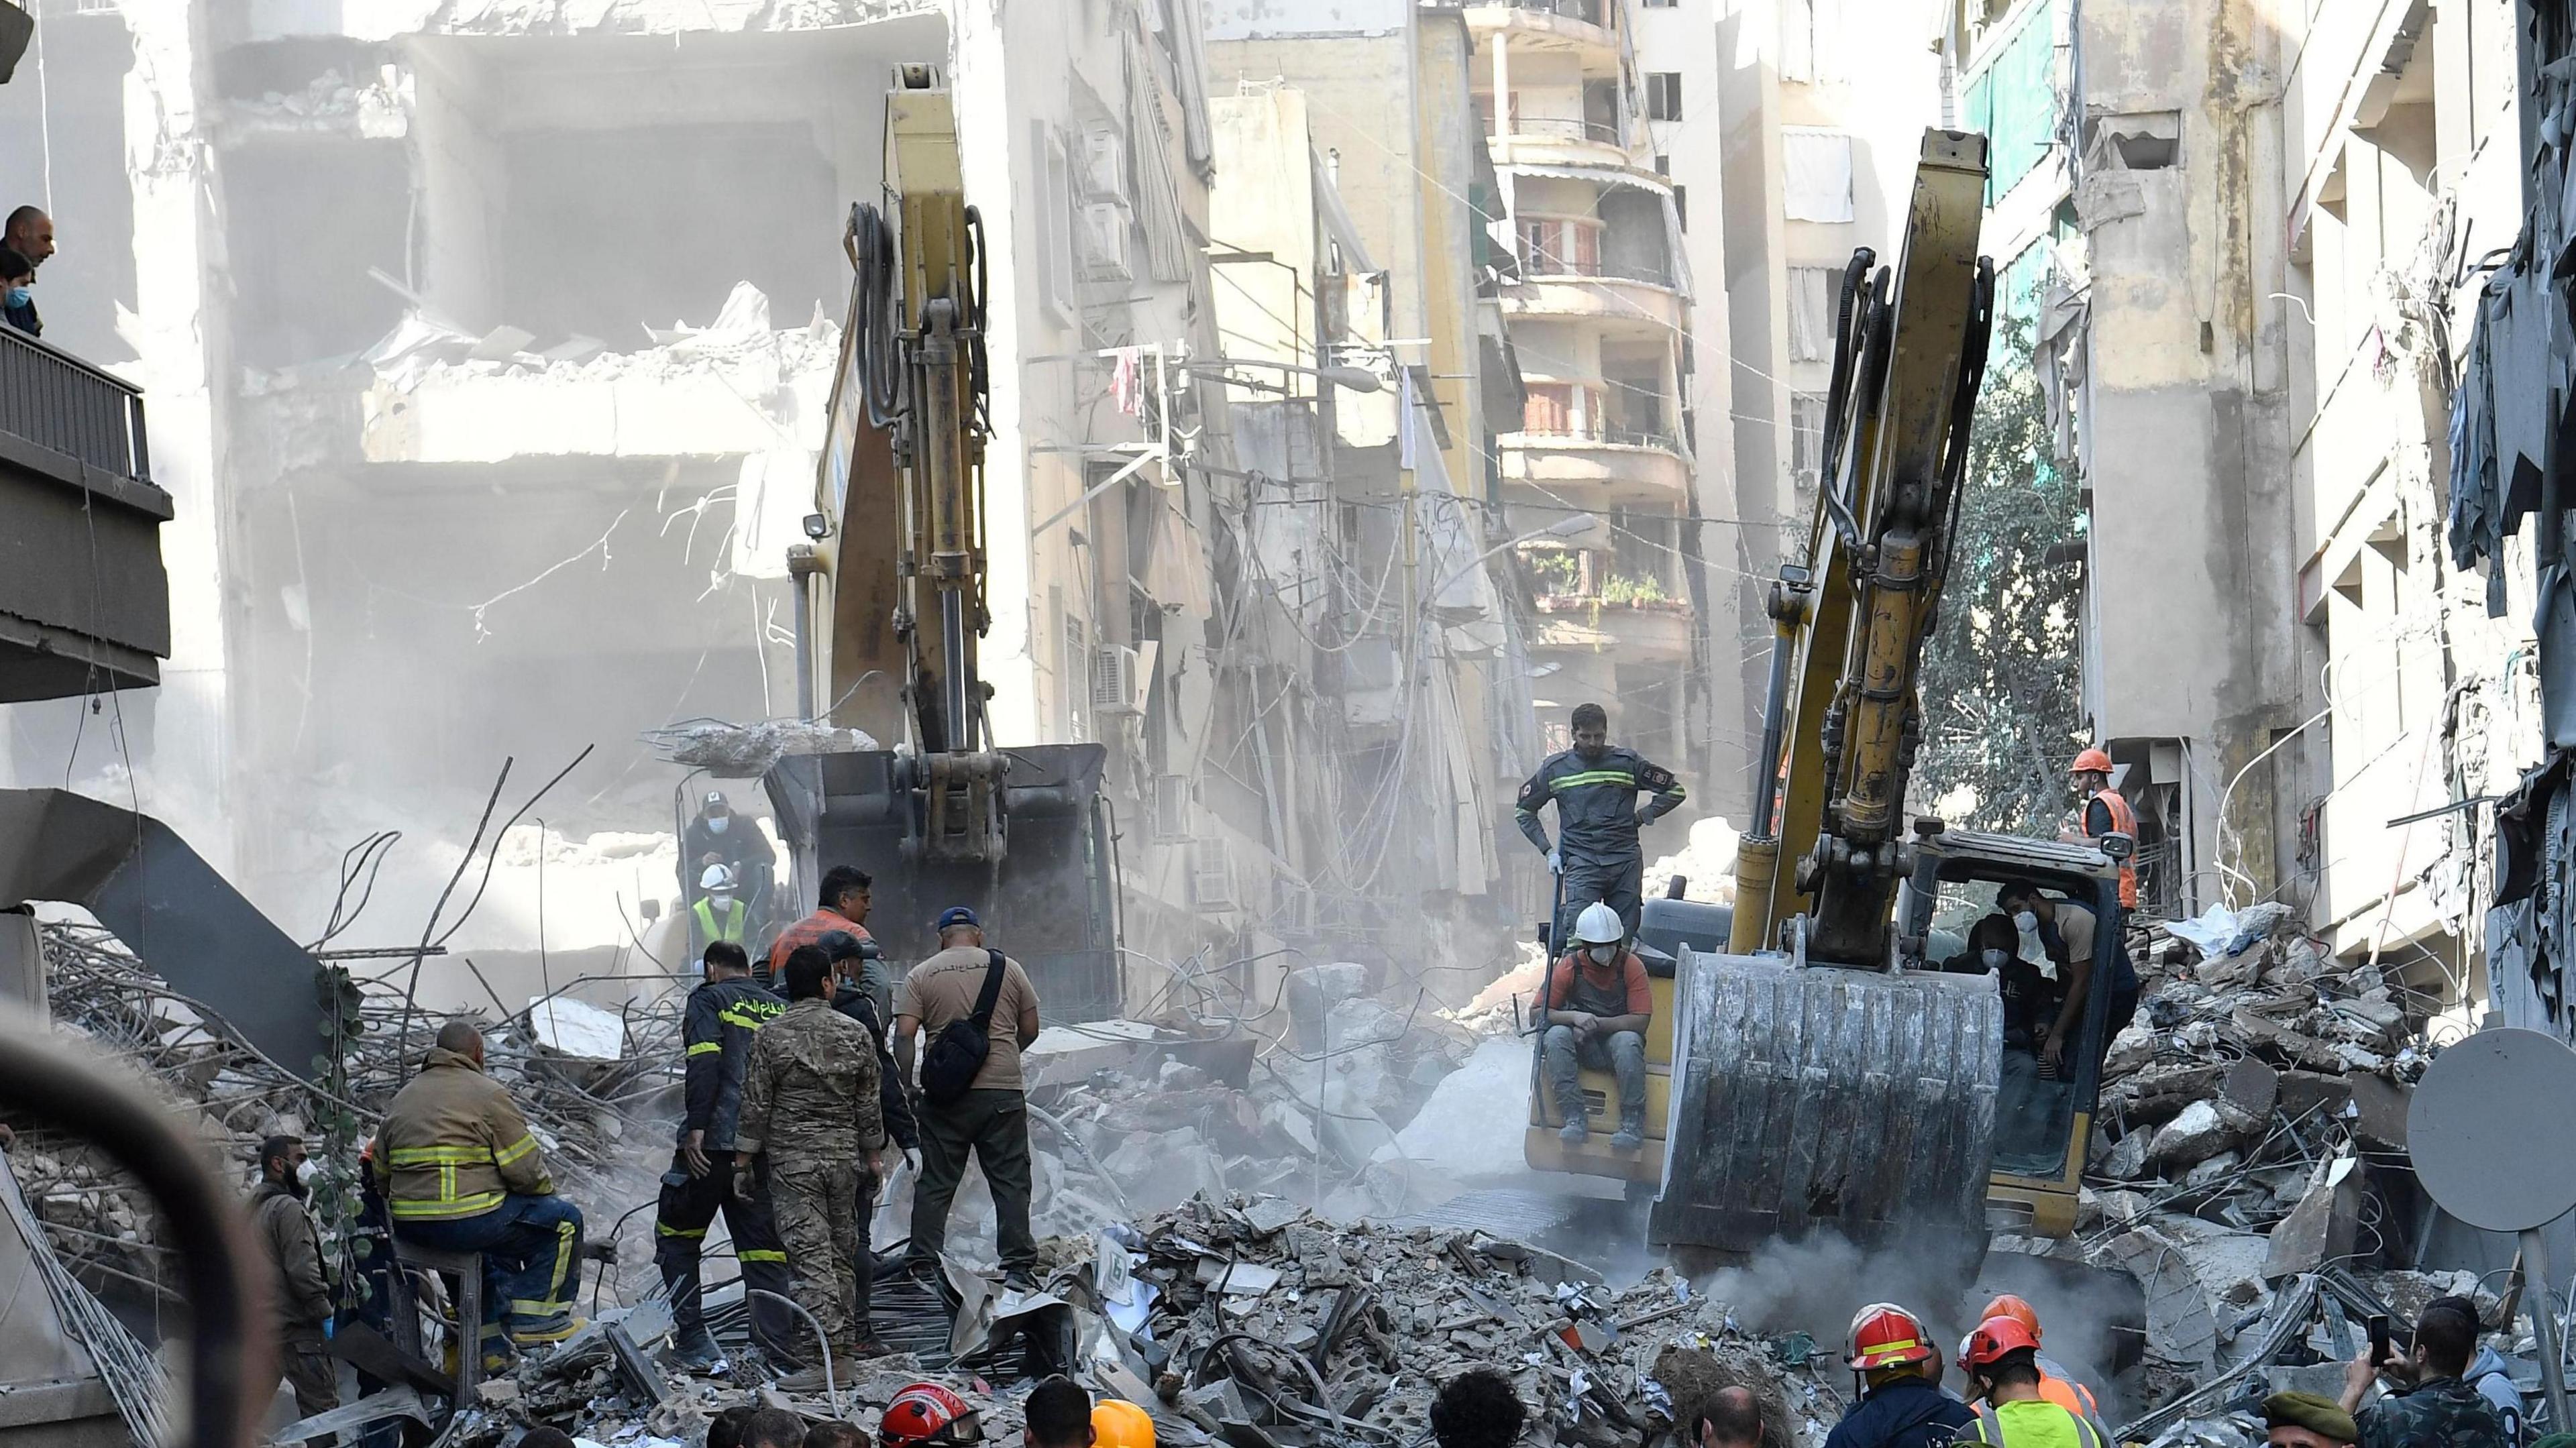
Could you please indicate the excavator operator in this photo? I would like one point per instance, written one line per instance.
(1598, 1005)
(1597, 815)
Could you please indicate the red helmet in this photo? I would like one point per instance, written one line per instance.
(2014, 1306)
(2092, 761)
(1996, 1337)
(928, 1413)
(1884, 1335)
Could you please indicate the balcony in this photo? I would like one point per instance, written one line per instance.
(1627, 301)
(1590, 25)
(84, 603)
(1569, 439)
(1639, 631)
(1559, 141)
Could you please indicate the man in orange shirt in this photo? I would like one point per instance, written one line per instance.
(1598, 1005)
(842, 904)
(2054, 1383)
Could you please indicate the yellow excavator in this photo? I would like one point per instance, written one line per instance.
(892, 611)
(1816, 1069)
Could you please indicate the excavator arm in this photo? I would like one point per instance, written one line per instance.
(893, 611)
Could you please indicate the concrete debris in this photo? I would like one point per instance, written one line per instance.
(746, 751)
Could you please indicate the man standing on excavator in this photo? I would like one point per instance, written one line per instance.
(1597, 816)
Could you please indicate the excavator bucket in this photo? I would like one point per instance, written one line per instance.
(1049, 901)
(1828, 1100)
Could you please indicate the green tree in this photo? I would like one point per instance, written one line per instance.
(2002, 690)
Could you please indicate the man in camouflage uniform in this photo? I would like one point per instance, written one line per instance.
(809, 1106)
(2431, 1407)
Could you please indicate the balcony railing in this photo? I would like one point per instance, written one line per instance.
(1567, 432)
(1590, 12)
(1565, 128)
(58, 402)
(1539, 262)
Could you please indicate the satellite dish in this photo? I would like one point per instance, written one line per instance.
(2490, 1132)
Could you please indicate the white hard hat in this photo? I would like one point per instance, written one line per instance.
(717, 877)
(1599, 925)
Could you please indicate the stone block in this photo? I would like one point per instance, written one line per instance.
(2379, 1113)
(2253, 1087)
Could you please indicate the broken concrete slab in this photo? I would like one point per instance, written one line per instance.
(2202, 1130)
(2253, 1087)
(2324, 1225)
(2379, 1113)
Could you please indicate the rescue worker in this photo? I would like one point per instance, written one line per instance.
(859, 993)
(1732, 1419)
(1901, 1403)
(926, 1415)
(719, 915)
(2307, 1420)
(2001, 1362)
(1117, 1423)
(2065, 929)
(809, 1110)
(1058, 1414)
(1479, 1408)
(461, 1172)
(1595, 788)
(840, 904)
(2055, 1383)
(715, 1033)
(718, 836)
(2106, 811)
(1598, 1007)
(301, 1292)
(2432, 1406)
(991, 1117)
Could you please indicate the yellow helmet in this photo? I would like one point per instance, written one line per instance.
(1117, 1423)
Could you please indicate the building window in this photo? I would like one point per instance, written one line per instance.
(1818, 164)
(1057, 227)
(1660, 4)
(1806, 39)
(1663, 95)
(1806, 442)
(1681, 208)
(1814, 292)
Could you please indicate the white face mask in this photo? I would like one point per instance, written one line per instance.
(720, 902)
(2025, 922)
(306, 1171)
(1994, 959)
(716, 826)
(1604, 954)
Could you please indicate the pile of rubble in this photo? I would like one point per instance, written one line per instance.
(594, 1087)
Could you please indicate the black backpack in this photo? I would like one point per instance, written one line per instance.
(958, 1051)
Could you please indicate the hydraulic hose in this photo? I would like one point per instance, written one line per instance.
(870, 245)
(232, 1358)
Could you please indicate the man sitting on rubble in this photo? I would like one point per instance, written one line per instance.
(2065, 931)
(1479, 1408)
(2431, 1407)
(1598, 1006)
(1901, 1403)
(2001, 1361)
(2306, 1420)
(461, 1172)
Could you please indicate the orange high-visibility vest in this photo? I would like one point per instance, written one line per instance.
(2124, 820)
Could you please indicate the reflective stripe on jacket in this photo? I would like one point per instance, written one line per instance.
(454, 1144)
(715, 1030)
(737, 919)
(1596, 803)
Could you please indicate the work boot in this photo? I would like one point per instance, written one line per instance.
(697, 1352)
(1632, 1130)
(1574, 1132)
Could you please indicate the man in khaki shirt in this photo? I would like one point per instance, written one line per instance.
(991, 1119)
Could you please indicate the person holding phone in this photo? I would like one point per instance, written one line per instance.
(2429, 1404)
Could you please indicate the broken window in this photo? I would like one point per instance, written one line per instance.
(307, 218)
(586, 248)
(2151, 141)
(1817, 185)
(1814, 293)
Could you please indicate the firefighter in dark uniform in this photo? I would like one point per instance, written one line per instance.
(1595, 788)
(716, 1035)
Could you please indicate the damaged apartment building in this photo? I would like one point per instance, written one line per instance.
(491, 346)
(2251, 238)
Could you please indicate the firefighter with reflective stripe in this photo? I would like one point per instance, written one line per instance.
(461, 1172)
(1594, 787)
(1901, 1403)
(2055, 1383)
(2106, 812)
(2001, 1361)
(715, 1034)
(719, 914)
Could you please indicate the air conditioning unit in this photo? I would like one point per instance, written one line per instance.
(1114, 685)
(1103, 165)
(1103, 231)
(1212, 874)
(1171, 807)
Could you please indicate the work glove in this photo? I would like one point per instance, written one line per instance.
(1556, 862)
(744, 1182)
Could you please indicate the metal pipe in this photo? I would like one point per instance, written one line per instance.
(830, 1392)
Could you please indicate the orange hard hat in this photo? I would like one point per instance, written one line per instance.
(2012, 1306)
(2092, 761)
(1884, 1335)
(1117, 1423)
(1996, 1337)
